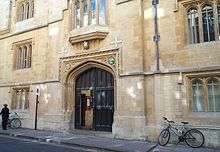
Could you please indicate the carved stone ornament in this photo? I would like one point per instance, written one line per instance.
(111, 60)
(86, 45)
(107, 57)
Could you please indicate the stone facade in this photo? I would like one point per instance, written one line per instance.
(60, 53)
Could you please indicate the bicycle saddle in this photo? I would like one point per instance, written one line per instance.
(185, 122)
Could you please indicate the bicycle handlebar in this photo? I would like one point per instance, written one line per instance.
(169, 121)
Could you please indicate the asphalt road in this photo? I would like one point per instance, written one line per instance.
(10, 144)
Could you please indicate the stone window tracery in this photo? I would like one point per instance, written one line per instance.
(89, 12)
(25, 10)
(23, 55)
(205, 94)
(203, 21)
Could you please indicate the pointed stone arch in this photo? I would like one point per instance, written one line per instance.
(70, 82)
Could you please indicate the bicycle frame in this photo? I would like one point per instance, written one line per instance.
(180, 133)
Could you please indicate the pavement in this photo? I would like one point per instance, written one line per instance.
(97, 140)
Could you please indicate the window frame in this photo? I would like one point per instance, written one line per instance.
(204, 79)
(20, 105)
(24, 10)
(22, 57)
(193, 37)
(200, 5)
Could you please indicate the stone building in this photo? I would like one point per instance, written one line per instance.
(94, 64)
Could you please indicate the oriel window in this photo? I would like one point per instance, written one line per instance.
(89, 12)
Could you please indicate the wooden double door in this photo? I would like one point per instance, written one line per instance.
(94, 97)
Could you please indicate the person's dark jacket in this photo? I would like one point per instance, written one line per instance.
(5, 113)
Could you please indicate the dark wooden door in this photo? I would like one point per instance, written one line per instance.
(101, 84)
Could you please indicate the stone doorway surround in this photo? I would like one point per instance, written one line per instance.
(72, 66)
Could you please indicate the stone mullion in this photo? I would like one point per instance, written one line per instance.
(18, 99)
(200, 24)
(16, 59)
(22, 57)
(25, 11)
(97, 12)
(19, 58)
(206, 99)
(81, 13)
(22, 98)
(215, 11)
(73, 16)
(27, 56)
(30, 8)
(89, 12)
(19, 13)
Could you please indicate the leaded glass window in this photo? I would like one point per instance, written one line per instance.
(85, 13)
(93, 12)
(77, 14)
(25, 10)
(20, 99)
(198, 96)
(102, 12)
(23, 55)
(208, 23)
(193, 22)
(213, 95)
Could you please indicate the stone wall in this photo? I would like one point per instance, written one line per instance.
(141, 97)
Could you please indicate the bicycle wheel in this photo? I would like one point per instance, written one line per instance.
(15, 123)
(194, 138)
(164, 137)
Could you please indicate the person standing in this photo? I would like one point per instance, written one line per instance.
(5, 115)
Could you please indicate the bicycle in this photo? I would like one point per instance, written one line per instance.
(14, 121)
(193, 137)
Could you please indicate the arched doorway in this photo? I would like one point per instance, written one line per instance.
(94, 100)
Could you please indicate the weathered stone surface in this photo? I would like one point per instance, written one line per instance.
(141, 97)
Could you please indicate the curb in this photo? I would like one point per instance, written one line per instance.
(57, 142)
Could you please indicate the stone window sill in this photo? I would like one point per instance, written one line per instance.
(203, 45)
(214, 115)
(88, 33)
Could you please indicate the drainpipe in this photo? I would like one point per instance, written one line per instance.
(156, 37)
